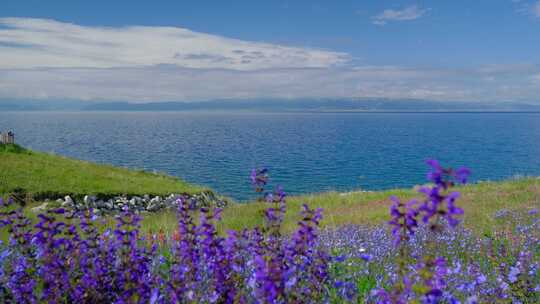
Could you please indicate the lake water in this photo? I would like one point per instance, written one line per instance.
(306, 152)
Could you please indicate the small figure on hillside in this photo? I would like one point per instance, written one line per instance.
(7, 138)
(11, 137)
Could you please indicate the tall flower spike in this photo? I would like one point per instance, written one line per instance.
(437, 204)
(259, 179)
(404, 220)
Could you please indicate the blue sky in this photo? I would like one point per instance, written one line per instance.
(197, 50)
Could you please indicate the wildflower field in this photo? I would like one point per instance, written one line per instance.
(420, 253)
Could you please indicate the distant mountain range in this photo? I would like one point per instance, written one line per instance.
(313, 105)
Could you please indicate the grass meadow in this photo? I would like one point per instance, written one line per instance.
(42, 175)
(437, 243)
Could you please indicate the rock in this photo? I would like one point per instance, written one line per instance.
(109, 204)
(154, 204)
(40, 208)
(88, 200)
(206, 199)
(64, 204)
(168, 201)
(144, 204)
(99, 204)
(120, 203)
(152, 207)
(68, 201)
(173, 200)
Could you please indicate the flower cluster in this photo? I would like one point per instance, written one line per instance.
(259, 179)
(435, 210)
(501, 268)
(67, 257)
(436, 204)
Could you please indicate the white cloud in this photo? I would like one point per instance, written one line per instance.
(44, 59)
(408, 13)
(31, 43)
(507, 69)
(172, 83)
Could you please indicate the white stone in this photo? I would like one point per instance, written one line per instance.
(40, 208)
(68, 200)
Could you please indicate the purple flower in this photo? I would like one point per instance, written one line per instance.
(67, 258)
(481, 279)
(347, 290)
(513, 274)
(366, 257)
(259, 179)
(404, 220)
(462, 174)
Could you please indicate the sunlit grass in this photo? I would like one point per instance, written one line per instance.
(480, 201)
(45, 175)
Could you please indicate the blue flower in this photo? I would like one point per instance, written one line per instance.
(366, 257)
(513, 274)
(481, 279)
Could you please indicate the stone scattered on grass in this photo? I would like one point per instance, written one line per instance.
(136, 204)
(41, 208)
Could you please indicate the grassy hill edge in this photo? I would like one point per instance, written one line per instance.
(47, 176)
(482, 203)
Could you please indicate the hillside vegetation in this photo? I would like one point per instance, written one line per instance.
(41, 175)
(480, 201)
(57, 257)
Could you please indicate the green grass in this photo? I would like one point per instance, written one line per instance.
(480, 201)
(43, 175)
(40, 173)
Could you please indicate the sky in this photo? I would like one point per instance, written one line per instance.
(147, 51)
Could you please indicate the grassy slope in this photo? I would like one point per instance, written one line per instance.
(40, 173)
(480, 201)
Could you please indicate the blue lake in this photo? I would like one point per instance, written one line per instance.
(306, 152)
